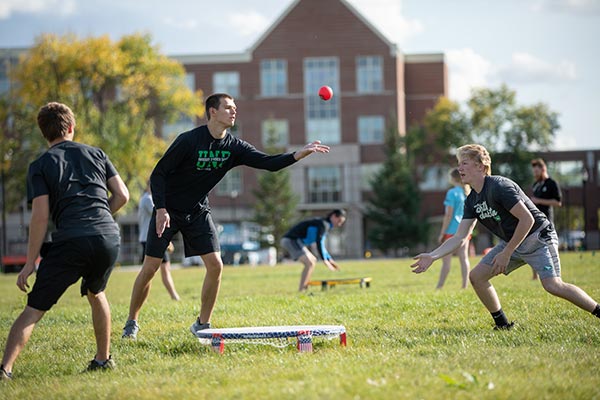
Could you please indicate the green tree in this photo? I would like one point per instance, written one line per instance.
(121, 93)
(491, 117)
(394, 206)
(275, 208)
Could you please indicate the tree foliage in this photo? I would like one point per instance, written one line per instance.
(121, 93)
(275, 208)
(394, 207)
(491, 117)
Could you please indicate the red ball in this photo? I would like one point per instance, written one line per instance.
(325, 93)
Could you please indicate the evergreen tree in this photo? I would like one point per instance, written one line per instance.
(395, 204)
(275, 208)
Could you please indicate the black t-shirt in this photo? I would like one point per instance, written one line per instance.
(74, 176)
(195, 162)
(492, 207)
(547, 189)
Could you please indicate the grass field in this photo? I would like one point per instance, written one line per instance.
(405, 340)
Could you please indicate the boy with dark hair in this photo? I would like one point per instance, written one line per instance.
(69, 183)
(181, 181)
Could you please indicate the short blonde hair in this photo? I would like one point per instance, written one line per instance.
(477, 153)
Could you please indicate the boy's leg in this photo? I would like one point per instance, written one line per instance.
(211, 285)
(19, 335)
(142, 285)
(167, 279)
(480, 280)
(309, 261)
(446, 261)
(567, 291)
(102, 324)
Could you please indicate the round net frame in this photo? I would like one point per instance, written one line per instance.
(276, 336)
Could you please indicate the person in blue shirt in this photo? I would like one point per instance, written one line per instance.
(455, 204)
(307, 233)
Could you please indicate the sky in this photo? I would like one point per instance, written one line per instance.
(545, 50)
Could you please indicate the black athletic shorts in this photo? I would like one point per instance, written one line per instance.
(166, 256)
(198, 231)
(63, 263)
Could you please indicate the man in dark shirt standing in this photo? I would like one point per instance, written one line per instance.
(195, 162)
(546, 192)
(526, 236)
(70, 183)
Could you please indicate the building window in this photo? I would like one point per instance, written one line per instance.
(227, 82)
(322, 118)
(367, 174)
(324, 185)
(275, 132)
(369, 74)
(273, 77)
(185, 122)
(371, 129)
(231, 184)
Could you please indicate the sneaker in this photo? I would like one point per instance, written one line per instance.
(197, 326)
(130, 330)
(4, 376)
(103, 366)
(506, 327)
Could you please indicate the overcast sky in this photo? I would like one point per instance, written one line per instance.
(546, 50)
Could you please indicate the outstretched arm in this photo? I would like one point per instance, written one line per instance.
(424, 260)
(310, 148)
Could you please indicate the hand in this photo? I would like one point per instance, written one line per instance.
(332, 265)
(163, 221)
(27, 270)
(171, 248)
(424, 261)
(500, 262)
(313, 147)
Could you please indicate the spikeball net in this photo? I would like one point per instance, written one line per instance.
(276, 336)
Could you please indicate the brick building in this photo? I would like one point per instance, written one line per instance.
(275, 84)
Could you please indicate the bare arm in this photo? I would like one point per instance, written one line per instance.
(38, 225)
(119, 193)
(526, 221)
(424, 260)
(546, 202)
(313, 147)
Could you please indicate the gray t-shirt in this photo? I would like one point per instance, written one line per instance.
(145, 210)
(491, 207)
(74, 176)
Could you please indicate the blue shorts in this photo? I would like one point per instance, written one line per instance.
(539, 250)
(199, 234)
(63, 263)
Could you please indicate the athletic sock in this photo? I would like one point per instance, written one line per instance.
(499, 318)
(596, 311)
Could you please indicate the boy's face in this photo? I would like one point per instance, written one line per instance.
(469, 170)
(337, 221)
(226, 112)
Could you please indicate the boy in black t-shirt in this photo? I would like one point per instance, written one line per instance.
(526, 236)
(69, 183)
(195, 162)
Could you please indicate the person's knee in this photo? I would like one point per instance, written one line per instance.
(477, 275)
(553, 286)
(213, 265)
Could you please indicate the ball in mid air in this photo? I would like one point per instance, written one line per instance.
(325, 93)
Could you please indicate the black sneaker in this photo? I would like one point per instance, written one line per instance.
(97, 365)
(4, 376)
(506, 327)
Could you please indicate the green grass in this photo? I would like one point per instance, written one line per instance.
(405, 340)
